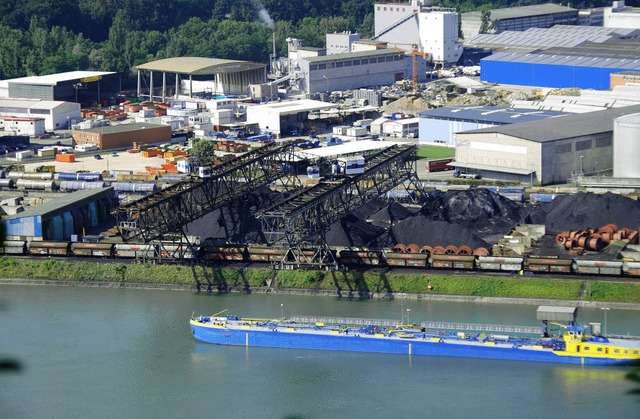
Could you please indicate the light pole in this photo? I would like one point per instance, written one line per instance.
(581, 165)
(605, 309)
(408, 311)
(282, 310)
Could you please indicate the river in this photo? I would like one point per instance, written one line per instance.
(128, 353)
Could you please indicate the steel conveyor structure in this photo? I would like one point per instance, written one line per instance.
(169, 210)
(306, 216)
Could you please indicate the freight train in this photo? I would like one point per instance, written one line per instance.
(478, 260)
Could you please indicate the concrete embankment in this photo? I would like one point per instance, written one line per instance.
(325, 293)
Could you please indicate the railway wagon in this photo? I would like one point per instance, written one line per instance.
(178, 251)
(234, 253)
(361, 257)
(453, 261)
(597, 267)
(493, 263)
(137, 251)
(49, 248)
(13, 247)
(414, 260)
(104, 250)
(550, 265)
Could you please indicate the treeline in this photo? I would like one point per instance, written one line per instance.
(47, 36)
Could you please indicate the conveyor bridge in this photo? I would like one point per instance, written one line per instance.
(170, 209)
(305, 216)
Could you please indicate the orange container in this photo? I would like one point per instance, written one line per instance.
(66, 158)
(151, 153)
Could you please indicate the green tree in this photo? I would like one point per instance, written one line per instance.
(202, 148)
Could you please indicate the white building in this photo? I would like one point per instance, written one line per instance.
(22, 126)
(401, 128)
(621, 16)
(57, 115)
(434, 30)
(337, 43)
(278, 117)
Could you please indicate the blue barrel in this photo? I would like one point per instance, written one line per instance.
(134, 187)
(90, 177)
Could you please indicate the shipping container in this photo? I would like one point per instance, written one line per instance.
(66, 158)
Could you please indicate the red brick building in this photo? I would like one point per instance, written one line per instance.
(123, 135)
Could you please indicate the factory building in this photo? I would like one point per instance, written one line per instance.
(75, 86)
(61, 218)
(621, 16)
(280, 118)
(351, 70)
(433, 30)
(517, 19)
(549, 151)
(207, 77)
(559, 57)
(123, 135)
(438, 125)
(56, 114)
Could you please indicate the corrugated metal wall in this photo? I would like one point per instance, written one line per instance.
(546, 75)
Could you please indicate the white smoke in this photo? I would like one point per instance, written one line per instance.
(263, 14)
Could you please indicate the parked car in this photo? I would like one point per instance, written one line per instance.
(114, 154)
(97, 157)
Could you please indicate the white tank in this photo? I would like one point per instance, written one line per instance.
(626, 147)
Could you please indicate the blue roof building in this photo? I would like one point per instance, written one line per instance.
(438, 126)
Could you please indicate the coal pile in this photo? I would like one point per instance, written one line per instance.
(475, 218)
(423, 231)
(587, 210)
(235, 223)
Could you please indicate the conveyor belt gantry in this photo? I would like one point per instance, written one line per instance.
(307, 215)
(169, 210)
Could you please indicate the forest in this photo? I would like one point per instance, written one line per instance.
(39, 37)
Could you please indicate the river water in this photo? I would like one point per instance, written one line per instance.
(127, 353)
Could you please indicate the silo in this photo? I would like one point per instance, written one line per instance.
(626, 146)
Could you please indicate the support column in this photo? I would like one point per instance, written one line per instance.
(164, 86)
(138, 83)
(151, 86)
(177, 85)
(190, 85)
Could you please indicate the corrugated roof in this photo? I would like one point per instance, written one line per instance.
(499, 115)
(134, 126)
(569, 126)
(60, 202)
(292, 106)
(557, 36)
(348, 148)
(623, 64)
(525, 11)
(199, 65)
(358, 54)
(54, 79)
(30, 103)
